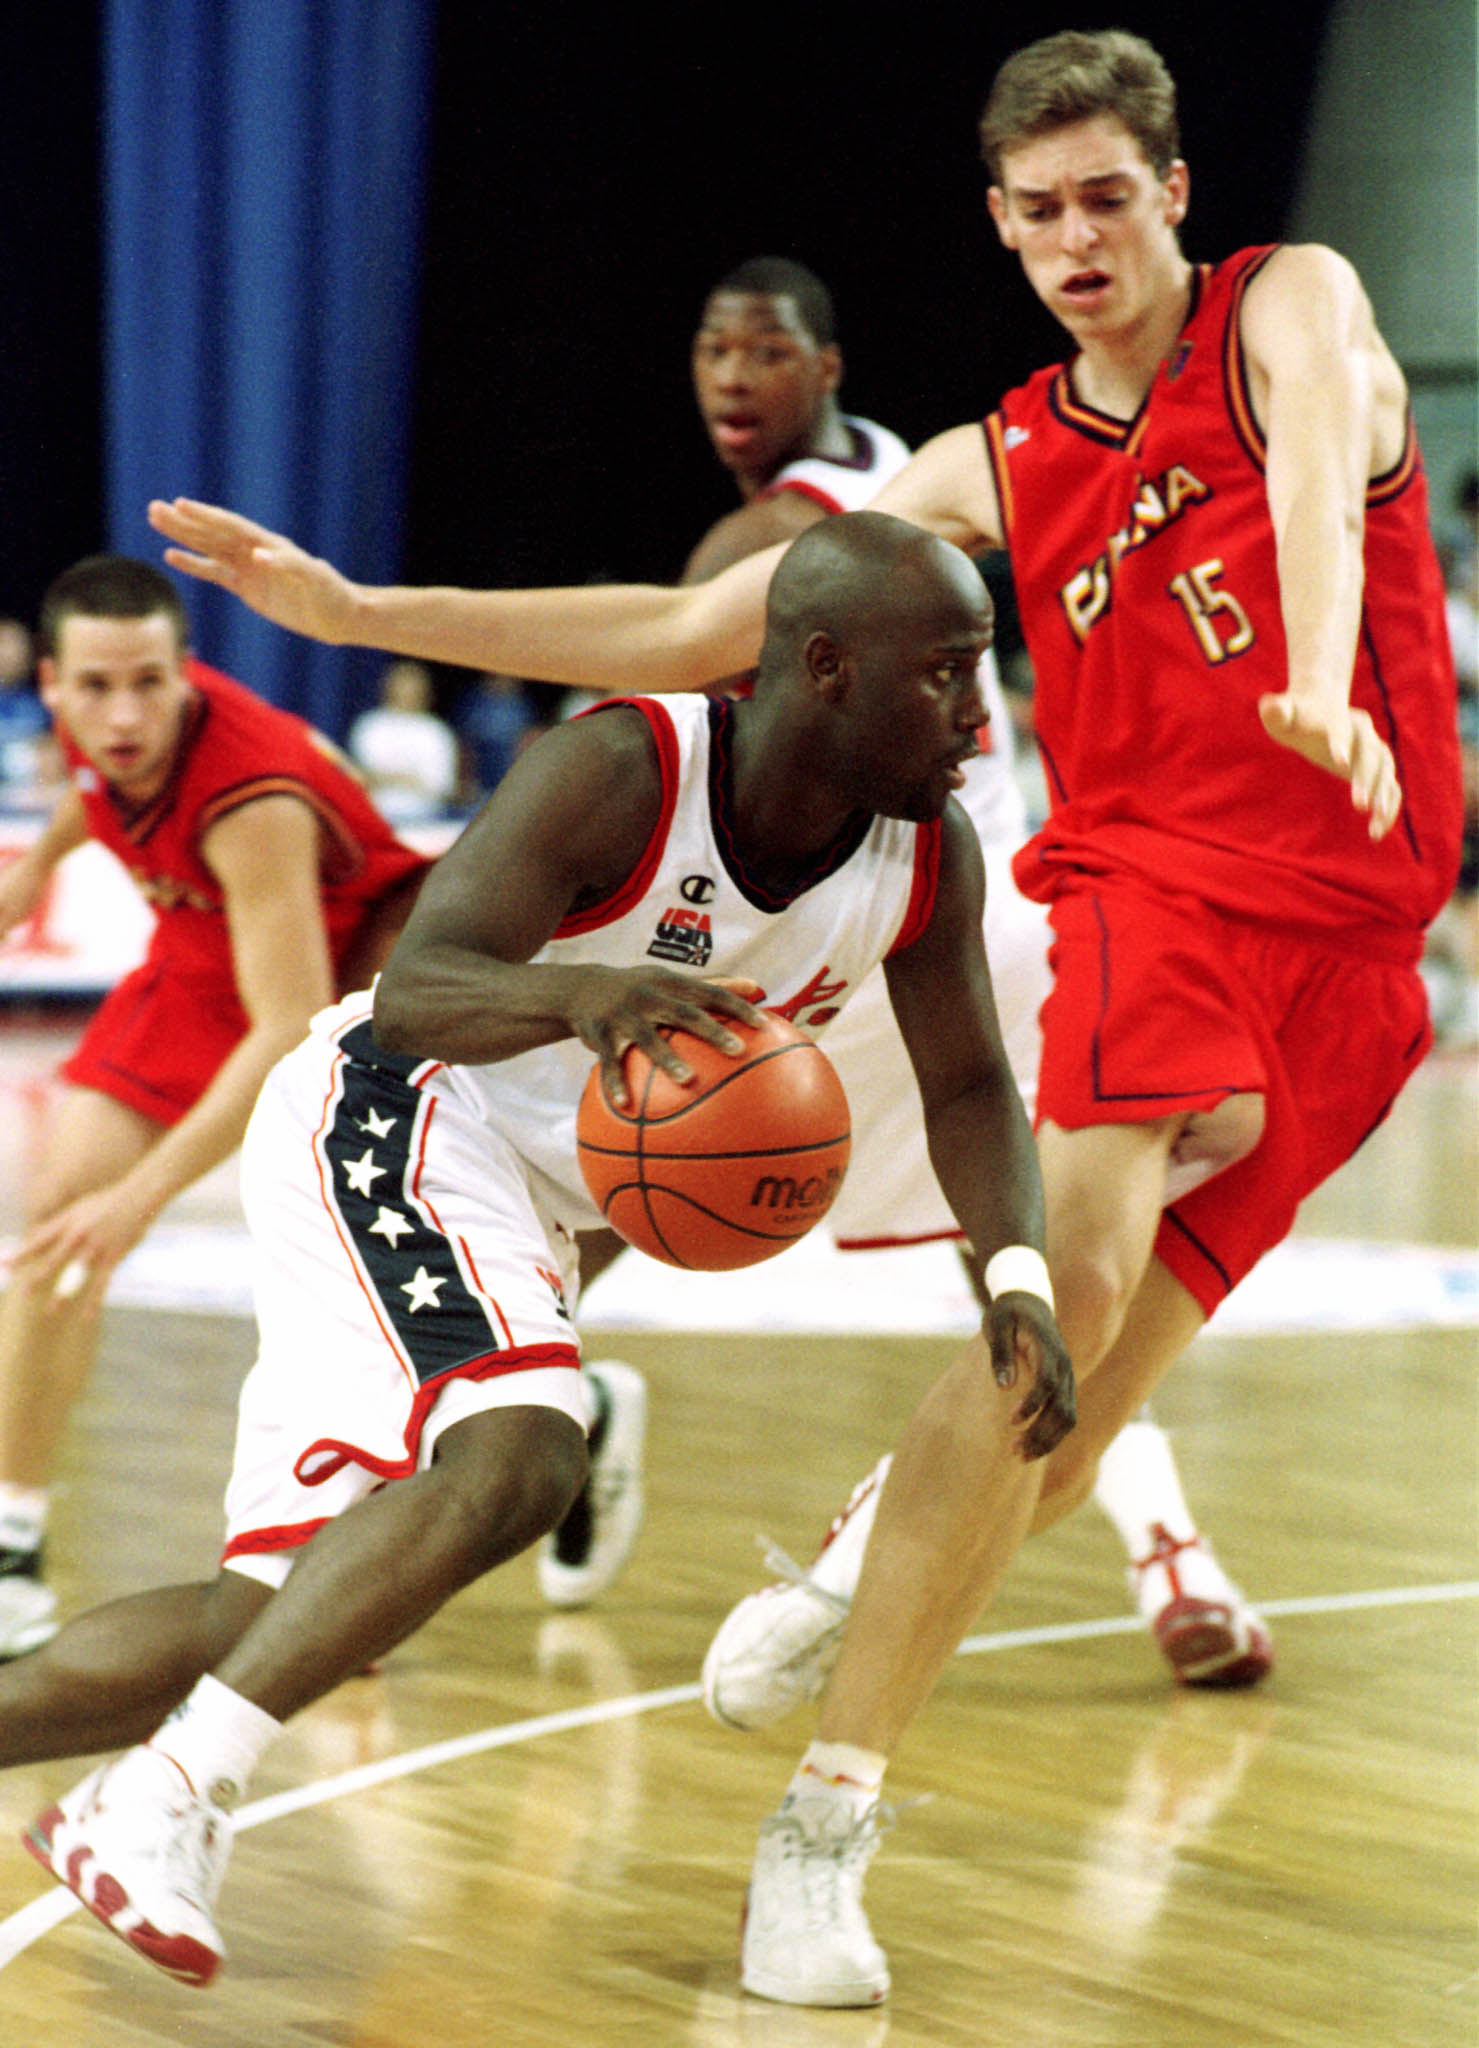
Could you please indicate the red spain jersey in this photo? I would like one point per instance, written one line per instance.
(1145, 566)
(234, 748)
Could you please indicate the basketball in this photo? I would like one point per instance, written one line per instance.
(728, 1169)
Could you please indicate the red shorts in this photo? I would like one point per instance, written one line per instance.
(1161, 1008)
(159, 1037)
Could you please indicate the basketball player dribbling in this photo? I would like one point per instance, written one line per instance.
(414, 1416)
(1218, 525)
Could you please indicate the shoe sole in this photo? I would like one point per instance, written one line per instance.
(179, 1956)
(864, 1992)
(851, 1992)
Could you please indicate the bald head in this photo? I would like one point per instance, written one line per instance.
(862, 575)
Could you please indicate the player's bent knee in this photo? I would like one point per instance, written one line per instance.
(511, 1475)
(1092, 1293)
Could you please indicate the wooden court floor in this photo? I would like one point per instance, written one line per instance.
(525, 1830)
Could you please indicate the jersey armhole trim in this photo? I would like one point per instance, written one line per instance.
(631, 891)
(924, 887)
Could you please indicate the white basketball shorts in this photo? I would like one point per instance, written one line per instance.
(406, 1277)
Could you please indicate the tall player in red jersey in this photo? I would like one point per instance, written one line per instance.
(1247, 710)
(271, 874)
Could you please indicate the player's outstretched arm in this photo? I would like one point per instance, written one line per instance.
(616, 637)
(265, 855)
(1334, 410)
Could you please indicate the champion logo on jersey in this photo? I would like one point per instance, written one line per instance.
(1179, 361)
(683, 935)
(1015, 436)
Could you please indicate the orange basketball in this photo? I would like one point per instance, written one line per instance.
(728, 1169)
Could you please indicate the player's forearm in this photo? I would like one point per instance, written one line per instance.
(1319, 524)
(63, 832)
(453, 1003)
(618, 638)
(23, 879)
(984, 1158)
(214, 1126)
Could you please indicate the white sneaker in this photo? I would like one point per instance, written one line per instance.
(589, 1550)
(805, 1939)
(27, 1612)
(146, 1855)
(1207, 1631)
(775, 1650)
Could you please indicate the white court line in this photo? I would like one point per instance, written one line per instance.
(27, 1926)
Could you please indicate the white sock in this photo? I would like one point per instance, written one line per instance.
(841, 1772)
(22, 1516)
(217, 1738)
(1139, 1489)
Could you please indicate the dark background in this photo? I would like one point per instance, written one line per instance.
(587, 181)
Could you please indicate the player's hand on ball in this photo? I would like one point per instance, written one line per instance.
(1026, 1346)
(621, 1007)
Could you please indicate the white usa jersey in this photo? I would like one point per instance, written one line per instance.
(691, 905)
(845, 483)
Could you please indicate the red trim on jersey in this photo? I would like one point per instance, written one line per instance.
(994, 426)
(886, 1244)
(350, 855)
(805, 490)
(1382, 489)
(328, 1455)
(279, 1536)
(921, 905)
(1235, 366)
(1128, 435)
(634, 888)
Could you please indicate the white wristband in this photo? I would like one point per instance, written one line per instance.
(1018, 1269)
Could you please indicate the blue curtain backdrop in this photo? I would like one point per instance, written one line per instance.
(263, 174)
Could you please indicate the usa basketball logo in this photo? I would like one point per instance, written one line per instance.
(683, 935)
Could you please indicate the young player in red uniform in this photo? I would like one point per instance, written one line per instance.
(1236, 997)
(271, 874)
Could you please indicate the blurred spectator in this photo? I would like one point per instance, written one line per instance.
(1451, 968)
(27, 756)
(407, 754)
(496, 720)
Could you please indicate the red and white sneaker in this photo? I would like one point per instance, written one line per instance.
(776, 1649)
(146, 1855)
(1206, 1629)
